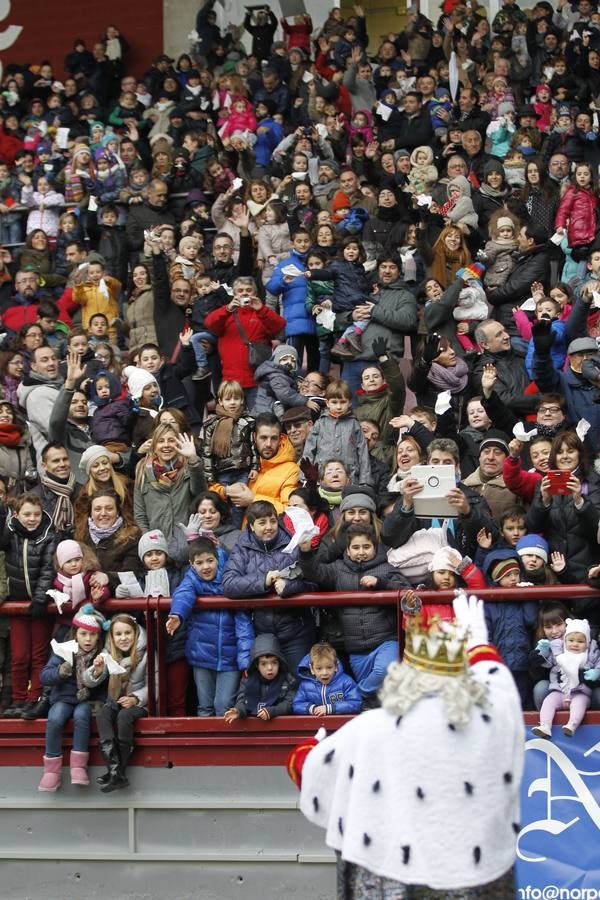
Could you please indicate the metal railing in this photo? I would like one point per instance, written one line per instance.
(156, 609)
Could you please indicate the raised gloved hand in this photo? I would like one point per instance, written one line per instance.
(432, 348)
(193, 527)
(542, 336)
(470, 615)
(380, 347)
(542, 645)
(309, 470)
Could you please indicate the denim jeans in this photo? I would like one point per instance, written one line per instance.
(296, 648)
(216, 691)
(59, 715)
(199, 351)
(540, 689)
(370, 668)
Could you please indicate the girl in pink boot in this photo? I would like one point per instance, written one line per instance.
(573, 661)
(70, 698)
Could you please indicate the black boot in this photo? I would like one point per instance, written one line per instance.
(40, 709)
(116, 778)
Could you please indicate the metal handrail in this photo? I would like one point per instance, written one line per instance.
(156, 609)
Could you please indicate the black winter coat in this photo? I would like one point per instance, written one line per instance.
(28, 557)
(512, 380)
(364, 628)
(573, 532)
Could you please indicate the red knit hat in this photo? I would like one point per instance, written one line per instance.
(340, 201)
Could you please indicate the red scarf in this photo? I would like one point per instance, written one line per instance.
(10, 435)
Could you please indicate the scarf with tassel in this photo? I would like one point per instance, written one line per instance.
(64, 514)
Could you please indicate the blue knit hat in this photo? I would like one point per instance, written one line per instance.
(534, 545)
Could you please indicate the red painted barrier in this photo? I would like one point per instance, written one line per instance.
(162, 741)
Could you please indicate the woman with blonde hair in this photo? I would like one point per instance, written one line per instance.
(167, 480)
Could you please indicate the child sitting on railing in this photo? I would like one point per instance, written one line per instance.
(573, 662)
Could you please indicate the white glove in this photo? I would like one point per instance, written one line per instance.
(193, 527)
(470, 616)
(442, 403)
(122, 590)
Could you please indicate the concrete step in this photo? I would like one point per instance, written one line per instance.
(236, 831)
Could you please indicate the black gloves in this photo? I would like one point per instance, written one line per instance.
(380, 347)
(432, 348)
(542, 336)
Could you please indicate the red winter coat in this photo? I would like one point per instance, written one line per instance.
(259, 325)
(9, 146)
(578, 207)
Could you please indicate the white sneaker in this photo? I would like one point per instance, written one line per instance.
(542, 731)
(569, 729)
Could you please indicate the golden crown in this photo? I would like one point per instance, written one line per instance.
(439, 648)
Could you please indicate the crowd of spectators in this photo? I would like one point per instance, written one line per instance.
(241, 292)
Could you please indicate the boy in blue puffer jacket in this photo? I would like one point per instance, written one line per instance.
(218, 641)
(325, 689)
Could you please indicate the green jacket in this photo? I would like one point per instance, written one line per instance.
(316, 293)
(385, 403)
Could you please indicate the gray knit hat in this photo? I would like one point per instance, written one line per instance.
(90, 455)
(358, 501)
(152, 540)
(284, 350)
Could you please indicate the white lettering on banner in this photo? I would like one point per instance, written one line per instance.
(10, 34)
(552, 892)
(582, 794)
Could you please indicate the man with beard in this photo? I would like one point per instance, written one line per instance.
(37, 395)
(22, 307)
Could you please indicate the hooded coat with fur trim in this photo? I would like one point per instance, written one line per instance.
(463, 211)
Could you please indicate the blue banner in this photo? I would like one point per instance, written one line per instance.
(558, 848)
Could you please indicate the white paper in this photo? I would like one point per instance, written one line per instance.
(424, 200)
(112, 665)
(582, 428)
(65, 650)
(237, 183)
(326, 318)
(383, 111)
(442, 404)
(60, 599)
(321, 129)
(62, 138)
(135, 588)
(304, 527)
(528, 305)
(453, 75)
(308, 77)
(299, 176)
(522, 434)
(92, 204)
(595, 304)
(556, 238)
(292, 270)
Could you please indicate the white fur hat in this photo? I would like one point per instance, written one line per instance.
(579, 626)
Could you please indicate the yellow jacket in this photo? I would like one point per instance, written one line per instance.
(92, 301)
(276, 480)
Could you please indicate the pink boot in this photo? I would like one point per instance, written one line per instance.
(51, 777)
(78, 764)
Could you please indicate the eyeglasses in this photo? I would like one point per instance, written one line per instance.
(549, 409)
(315, 384)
